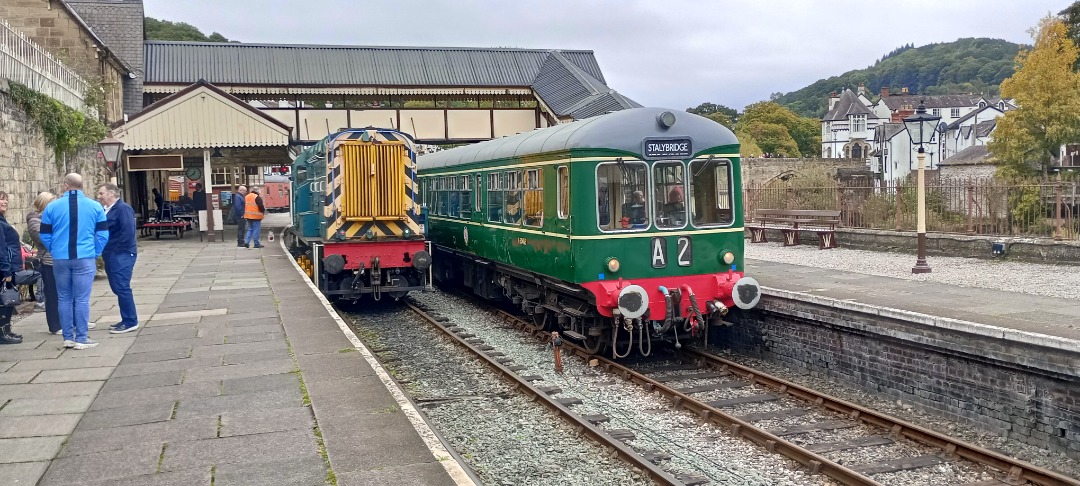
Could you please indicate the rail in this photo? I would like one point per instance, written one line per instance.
(25, 62)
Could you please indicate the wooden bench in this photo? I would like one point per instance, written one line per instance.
(790, 221)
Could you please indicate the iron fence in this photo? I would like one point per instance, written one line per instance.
(976, 206)
(25, 62)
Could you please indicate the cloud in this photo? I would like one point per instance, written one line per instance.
(676, 53)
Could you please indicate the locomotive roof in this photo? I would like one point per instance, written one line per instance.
(621, 130)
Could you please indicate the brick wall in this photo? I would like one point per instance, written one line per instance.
(1022, 391)
(28, 167)
(53, 27)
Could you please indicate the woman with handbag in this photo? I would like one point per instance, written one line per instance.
(45, 260)
(10, 262)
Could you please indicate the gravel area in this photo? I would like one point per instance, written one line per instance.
(1040, 457)
(505, 438)
(697, 449)
(1037, 279)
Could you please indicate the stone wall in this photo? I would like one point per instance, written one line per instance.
(761, 171)
(1021, 386)
(28, 167)
(52, 26)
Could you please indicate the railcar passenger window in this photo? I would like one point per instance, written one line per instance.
(512, 199)
(534, 198)
(495, 197)
(465, 188)
(710, 192)
(477, 199)
(622, 196)
(668, 194)
(564, 192)
(454, 195)
(443, 199)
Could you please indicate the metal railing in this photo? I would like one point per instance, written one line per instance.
(975, 206)
(25, 62)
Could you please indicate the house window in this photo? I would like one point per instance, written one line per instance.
(936, 111)
(858, 123)
(955, 112)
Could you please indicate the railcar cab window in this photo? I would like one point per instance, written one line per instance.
(669, 194)
(710, 192)
(622, 196)
(534, 198)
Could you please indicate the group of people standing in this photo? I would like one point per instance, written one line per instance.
(69, 233)
(248, 211)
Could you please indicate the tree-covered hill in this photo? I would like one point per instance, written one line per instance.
(178, 31)
(964, 66)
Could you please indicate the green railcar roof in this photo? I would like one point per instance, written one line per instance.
(621, 130)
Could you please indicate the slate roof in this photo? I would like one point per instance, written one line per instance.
(570, 82)
(974, 155)
(983, 128)
(900, 101)
(848, 104)
(119, 26)
(971, 115)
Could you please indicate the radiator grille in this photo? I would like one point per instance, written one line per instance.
(374, 181)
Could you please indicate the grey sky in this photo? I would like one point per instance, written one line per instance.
(673, 53)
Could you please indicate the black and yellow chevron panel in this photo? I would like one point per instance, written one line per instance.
(372, 186)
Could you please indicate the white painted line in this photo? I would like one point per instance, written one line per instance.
(457, 473)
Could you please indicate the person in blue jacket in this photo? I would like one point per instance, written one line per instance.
(74, 229)
(119, 255)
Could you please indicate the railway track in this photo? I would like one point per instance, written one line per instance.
(646, 461)
(701, 373)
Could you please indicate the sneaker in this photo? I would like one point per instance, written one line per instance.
(91, 325)
(258, 246)
(39, 306)
(69, 343)
(241, 245)
(120, 329)
(87, 345)
(56, 333)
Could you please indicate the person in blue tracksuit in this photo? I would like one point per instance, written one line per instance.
(119, 255)
(74, 229)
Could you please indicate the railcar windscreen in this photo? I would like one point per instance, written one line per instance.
(670, 205)
(622, 196)
(710, 192)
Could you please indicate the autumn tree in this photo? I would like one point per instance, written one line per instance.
(706, 109)
(1047, 92)
(796, 136)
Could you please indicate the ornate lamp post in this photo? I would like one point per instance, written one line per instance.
(111, 149)
(921, 129)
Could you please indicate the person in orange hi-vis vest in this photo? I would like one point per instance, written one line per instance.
(253, 213)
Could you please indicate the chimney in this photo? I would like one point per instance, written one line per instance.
(884, 91)
(862, 90)
(833, 98)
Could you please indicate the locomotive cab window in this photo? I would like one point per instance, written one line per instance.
(710, 192)
(622, 196)
(668, 194)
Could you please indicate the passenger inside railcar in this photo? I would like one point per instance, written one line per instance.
(634, 208)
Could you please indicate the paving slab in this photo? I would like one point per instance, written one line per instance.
(37, 425)
(30, 449)
(47, 406)
(69, 375)
(302, 471)
(429, 474)
(128, 415)
(23, 473)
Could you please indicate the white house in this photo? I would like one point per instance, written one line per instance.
(847, 130)
(972, 129)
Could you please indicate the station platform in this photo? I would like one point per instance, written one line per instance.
(1018, 311)
(239, 374)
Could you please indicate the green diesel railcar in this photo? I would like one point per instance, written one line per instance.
(614, 230)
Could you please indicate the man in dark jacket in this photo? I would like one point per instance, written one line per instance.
(10, 262)
(120, 254)
(238, 214)
(74, 230)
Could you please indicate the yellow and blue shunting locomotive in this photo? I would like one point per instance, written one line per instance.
(357, 222)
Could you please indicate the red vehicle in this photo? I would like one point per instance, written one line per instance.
(275, 193)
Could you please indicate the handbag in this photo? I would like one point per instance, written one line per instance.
(25, 277)
(9, 296)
